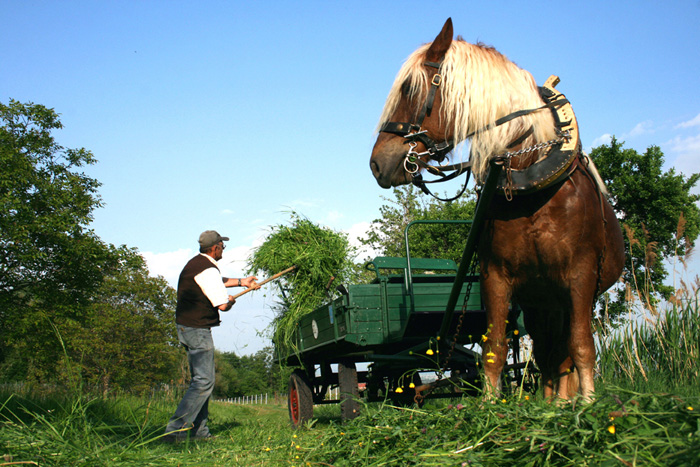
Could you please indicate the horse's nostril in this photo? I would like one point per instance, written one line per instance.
(375, 168)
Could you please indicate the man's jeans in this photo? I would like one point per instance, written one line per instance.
(193, 410)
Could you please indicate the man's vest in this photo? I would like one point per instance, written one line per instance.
(193, 307)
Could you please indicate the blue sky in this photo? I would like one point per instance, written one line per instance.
(227, 115)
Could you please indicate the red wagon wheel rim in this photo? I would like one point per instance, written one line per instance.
(294, 404)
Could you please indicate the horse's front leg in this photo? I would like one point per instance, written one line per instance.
(496, 294)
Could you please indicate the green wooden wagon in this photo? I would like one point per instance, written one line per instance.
(394, 329)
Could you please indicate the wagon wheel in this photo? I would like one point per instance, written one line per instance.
(300, 401)
(349, 393)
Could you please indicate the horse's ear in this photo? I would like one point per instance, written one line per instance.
(441, 44)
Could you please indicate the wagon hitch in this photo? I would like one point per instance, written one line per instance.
(424, 390)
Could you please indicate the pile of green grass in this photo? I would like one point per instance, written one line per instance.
(618, 428)
(323, 258)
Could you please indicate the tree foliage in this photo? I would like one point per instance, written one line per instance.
(70, 305)
(248, 374)
(386, 234)
(659, 214)
(50, 262)
(126, 338)
(46, 204)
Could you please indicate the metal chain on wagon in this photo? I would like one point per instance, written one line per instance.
(471, 272)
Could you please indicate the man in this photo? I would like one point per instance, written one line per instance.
(201, 295)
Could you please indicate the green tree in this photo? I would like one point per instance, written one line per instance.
(386, 234)
(248, 374)
(127, 337)
(50, 262)
(651, 204)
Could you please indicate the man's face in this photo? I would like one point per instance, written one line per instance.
(219, 251)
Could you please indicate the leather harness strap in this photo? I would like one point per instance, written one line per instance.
(557, 165)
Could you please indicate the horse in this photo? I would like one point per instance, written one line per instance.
(551, 241)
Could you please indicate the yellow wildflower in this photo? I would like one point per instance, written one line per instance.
(503, 400)
(611, 429)
(398, 391)
(267, 449)
(490, 360)
(429, 352)
(516, 332)
(490, 354)
(412, 385)
(484, 338)
(689, 408)
(527, 398)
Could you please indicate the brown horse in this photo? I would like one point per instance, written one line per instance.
(551, 246)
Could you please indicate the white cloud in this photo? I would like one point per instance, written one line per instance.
(354, 233)
(639, 129)
(235, 260)
(167, 264)
(688, 150)
(334, 216)
(690, 123)
(600, 140)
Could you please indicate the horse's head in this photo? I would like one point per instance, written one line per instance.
(449, 91)
(410, 127)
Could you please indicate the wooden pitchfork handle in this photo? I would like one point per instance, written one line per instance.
(266, 281)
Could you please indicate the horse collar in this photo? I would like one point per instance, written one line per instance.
(557, 165)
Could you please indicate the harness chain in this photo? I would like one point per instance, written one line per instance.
(506, 157)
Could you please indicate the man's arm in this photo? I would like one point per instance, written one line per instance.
(209, 281)
(249, 282)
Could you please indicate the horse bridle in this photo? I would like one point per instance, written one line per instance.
(414, 134)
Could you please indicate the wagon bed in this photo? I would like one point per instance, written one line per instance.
(385, 316)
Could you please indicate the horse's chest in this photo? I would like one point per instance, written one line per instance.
(530, 249)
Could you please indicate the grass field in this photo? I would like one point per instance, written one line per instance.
(646, 412)
(620, 428)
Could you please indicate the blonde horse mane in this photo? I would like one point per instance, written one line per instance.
(479, 86)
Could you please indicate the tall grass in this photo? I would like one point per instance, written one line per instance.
(658, 348)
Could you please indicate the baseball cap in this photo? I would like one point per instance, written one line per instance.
(209, 238)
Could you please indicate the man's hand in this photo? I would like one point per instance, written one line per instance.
(250, 283)
(227, 306)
